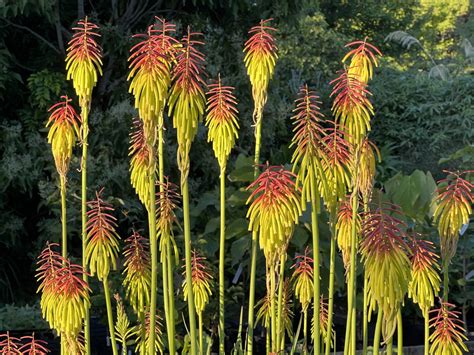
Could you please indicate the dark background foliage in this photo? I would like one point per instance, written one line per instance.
(421, 117)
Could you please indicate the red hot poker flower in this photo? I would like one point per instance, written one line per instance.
(9, 345)
(33, 346)
(363, 58)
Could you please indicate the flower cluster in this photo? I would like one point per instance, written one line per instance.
(303, 278)
(201, 282)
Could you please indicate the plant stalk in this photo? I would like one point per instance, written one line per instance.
(331, 281)
(316, 282)
(201, 343)
(389, 350)
(280, 334)
(305, 332)
(378, 328)
(445, 280)
(427, 331)
(153, 252)
(62, 182)
(365, 320)
(187, 251)
(110, 316)
(399, 333)
(84, 138)
(273, 318)
(222, 266)
(253, 256)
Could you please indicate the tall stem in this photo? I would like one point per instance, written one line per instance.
(316, 285)
(171, 307)
(110, 316)
(280, 335)
(331, 281)
(221, 266)
(153, 252)
(187, 252)
(378, 328)
(399, 333)
(84, 138)
(62, 179)
(273, 307)
(390, 346)
(427, 331)
(365, 335)
(445, 280)
(201, 343)
(305, 332)
(253, 255)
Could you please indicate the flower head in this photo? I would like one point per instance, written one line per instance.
(137, 271)
(140, 162)
(274, 208)
(385, 255)
(344, 230)
(351, 106)
(363, 57)
(307, 141)
(123, 331)
(187, 100)
(143, 335)
(201, 282)
(260, 59)
(32, 346)
(323, 321)
(63, 131)
(453, 202)
(9, 345)
(303, 278)
(368, 154)
(222, 120)
(167, 200)
(448, 331)
(84, 59)
(425, 280)
(102, 240)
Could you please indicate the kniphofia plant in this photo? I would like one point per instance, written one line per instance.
(123, 330)
(260, 59)
(143, 332)
(63, 132)
(425, 280)
(102, 250)
(186, 105)
(83, 66)
(200, 288)
(223, 127)
(31, 346)
(452, 202)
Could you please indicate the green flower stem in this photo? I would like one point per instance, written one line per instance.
(280, 330)
(365, 335)
(222, 266)
(389, 350)
(331, 280)
(427, 331)
(84, 138)
(445, 280)
(399, 332)
(273, 318)
(62, 182)
(378, 328)
(153, 252)
(171, 306)
(201, 343)
(253, 256)
(316, 285)
(305, 332)
(187, 251)
(110, 316)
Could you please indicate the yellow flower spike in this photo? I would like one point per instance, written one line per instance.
(425, 280)
(201, 282)
(368, 155)
(274, 210)
(150, 75)
(65, 295)
(323, 321)
(84, 59)
(123, 331)
(137, 272)
(143, 335)
(363, 59)
(102, 240)
(63, 132)
(308, 138)
(222, 120)
(453, 206)
(344, 231)
(260, 59)
(187, 100)
(140, 166)
(448, 331)
(385, 255)
(303, 279)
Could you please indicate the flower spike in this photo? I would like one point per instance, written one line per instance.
(222, 120)
(260, 59)
(368, 155)
(303, 276)
(453, 202)
(33, 346)
(102, 239)
(9, 345)
(323, 321)
(187, 99)
(307, 140)
(425, 280)
(363, 57)
(142, 333)
(137, 271)
(448, 335)
(84, 59)
(167, 200)
(201, 280)
(63, 132)
(344, 230)
(123, 331)
(351, 107)
(274, 208)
